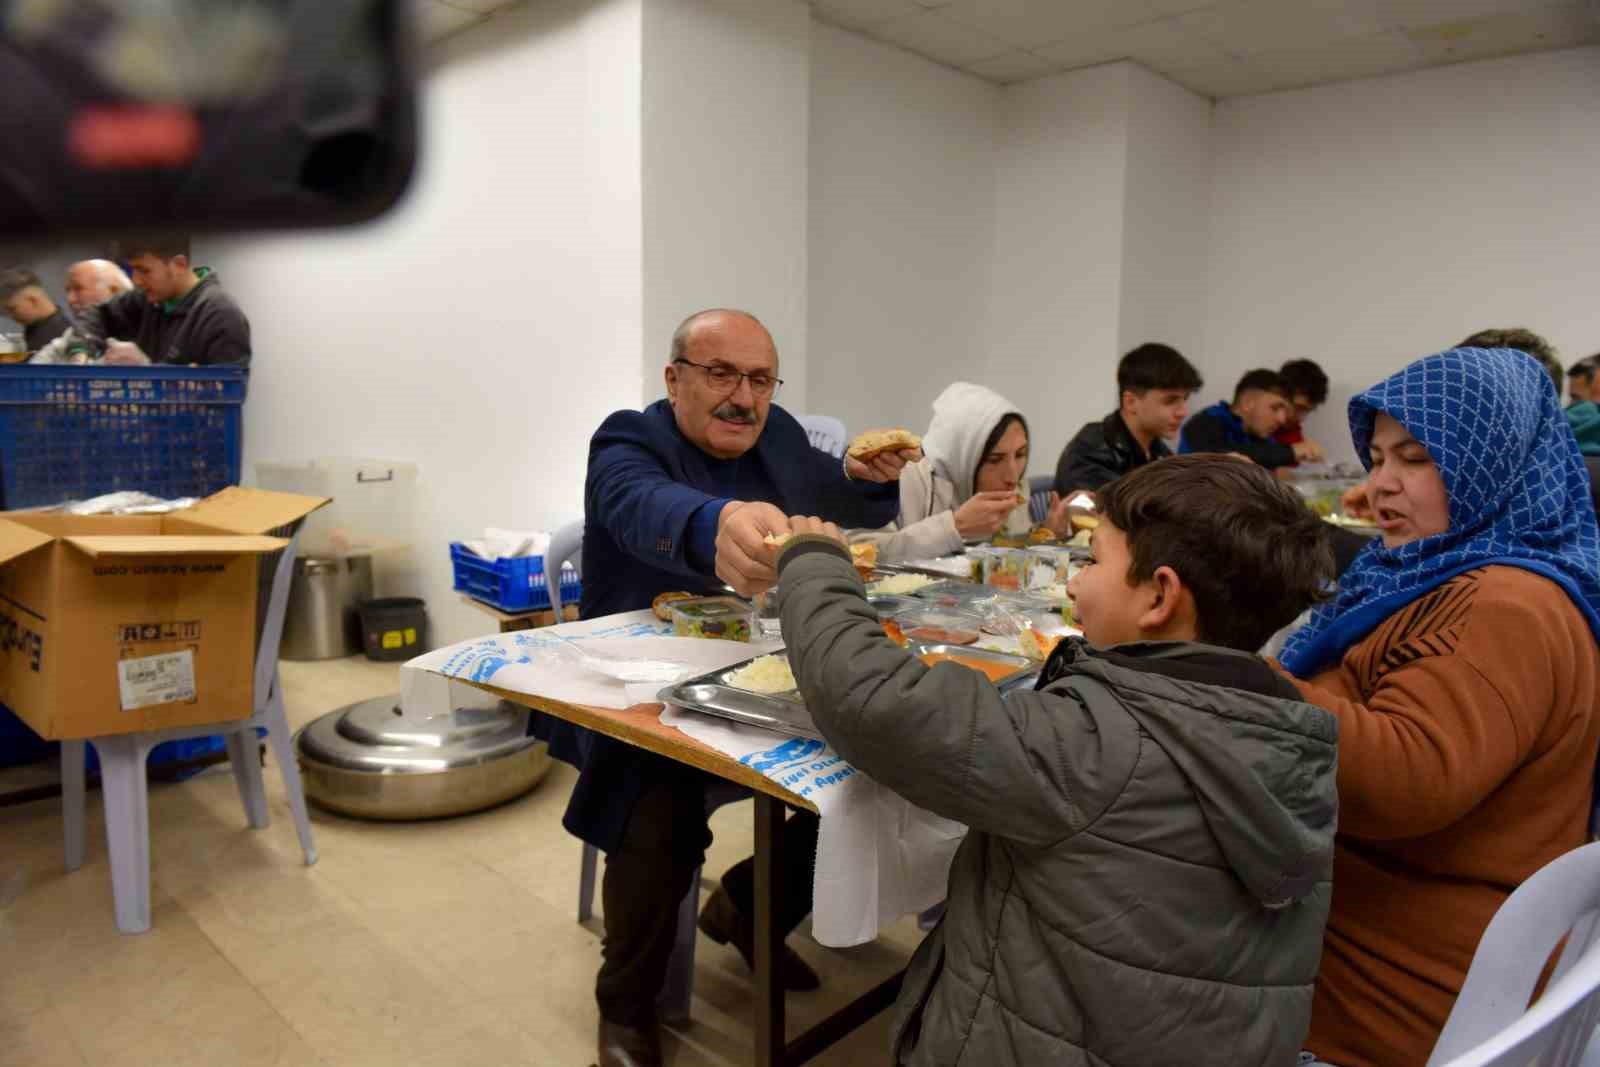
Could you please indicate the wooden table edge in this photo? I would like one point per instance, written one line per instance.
(664, 741)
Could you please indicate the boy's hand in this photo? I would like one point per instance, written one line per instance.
(803, 524)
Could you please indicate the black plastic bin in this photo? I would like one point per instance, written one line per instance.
(394, 628)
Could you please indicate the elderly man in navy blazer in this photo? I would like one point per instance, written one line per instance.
(680, 497)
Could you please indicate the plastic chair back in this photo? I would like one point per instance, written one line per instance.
(826, 433)
(566, 546)
(1040, 486)
(1491, 1024)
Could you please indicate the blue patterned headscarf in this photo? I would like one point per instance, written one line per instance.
(1518, 490)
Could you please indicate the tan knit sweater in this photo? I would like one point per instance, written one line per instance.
(1469, 725)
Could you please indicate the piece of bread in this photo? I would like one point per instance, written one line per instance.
(1038, 646)
(1084, 522)
(877, 442)
(862, 555)
(662, 605)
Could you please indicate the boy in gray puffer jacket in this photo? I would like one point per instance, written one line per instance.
(1147, 873)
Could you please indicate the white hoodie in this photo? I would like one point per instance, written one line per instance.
(933, 488)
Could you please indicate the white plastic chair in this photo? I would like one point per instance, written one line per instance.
(1040, 486)
(125, 787)
(673, 1003)
(566, 546)
(826, 433)
(1491, 1024)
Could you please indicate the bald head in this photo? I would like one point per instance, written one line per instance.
(94, 281)
(719, 327)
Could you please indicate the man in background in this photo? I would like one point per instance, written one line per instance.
(177, 314)
(1154, 383)
(29, 306)
(1580, 381)
(1261, 406)
(94, 281)
(1308, 391)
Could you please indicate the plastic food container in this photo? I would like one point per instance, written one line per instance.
(720, 617)
(1060, 560)
(887, 604)
(950, 593)
(939, 626)
(1007, 568)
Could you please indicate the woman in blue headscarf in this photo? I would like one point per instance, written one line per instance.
(1460, 658)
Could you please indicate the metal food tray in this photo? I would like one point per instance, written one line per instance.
(912, 568)
(710, 693)
(1026, 669)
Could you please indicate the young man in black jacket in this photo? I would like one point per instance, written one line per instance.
(1154, 383)
(176, 313)
(1262, 405)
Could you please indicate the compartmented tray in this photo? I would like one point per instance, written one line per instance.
(786, 713)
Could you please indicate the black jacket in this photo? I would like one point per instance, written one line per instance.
(37, 335)
(205, 327)
(1101, 453)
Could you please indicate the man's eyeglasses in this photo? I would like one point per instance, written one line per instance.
(726, 379)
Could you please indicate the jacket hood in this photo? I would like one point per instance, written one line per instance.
(964, 416)
(1584, 419)
(1260, 760)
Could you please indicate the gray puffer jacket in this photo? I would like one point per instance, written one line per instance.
(1148, 870)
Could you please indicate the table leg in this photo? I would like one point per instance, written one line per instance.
(769, 938)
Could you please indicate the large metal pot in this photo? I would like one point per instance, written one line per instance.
(375, 761)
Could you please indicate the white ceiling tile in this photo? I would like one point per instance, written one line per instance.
(1419, 14)
(436, 20)
(1501, 35)
(1012, 67)
(858, 14)
(1250, 27)
(482, 7)
(1340, 60)
(1164, 8)
(1032, 23)
(932, 35)
(1230, 77)
(1158, 45)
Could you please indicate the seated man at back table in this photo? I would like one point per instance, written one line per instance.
(1154, 383)
(1308, 391)
(1261, 406)
(680, 497)
(28, 305)
(177, 314)
(94, 281)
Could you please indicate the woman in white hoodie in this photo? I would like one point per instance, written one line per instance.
(970, 483)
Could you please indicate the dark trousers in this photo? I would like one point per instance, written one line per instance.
(646, 877)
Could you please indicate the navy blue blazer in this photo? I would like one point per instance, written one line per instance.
(645, 482)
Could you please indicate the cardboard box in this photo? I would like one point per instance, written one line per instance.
(116, 623)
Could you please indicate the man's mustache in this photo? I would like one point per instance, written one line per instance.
(735, 413)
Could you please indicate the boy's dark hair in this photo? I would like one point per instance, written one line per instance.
(15, 279)
(1156, 366)
(160, 245)
(1246, 546)
(1304, 376)
(1268, 381)
(1584, 368)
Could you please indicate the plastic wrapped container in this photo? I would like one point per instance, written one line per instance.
(939, 626)
(950, 593)
(1007, 568)
(723, 618)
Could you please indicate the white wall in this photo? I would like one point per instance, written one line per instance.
(901, 229)
(1054, 320)
(488, 326)
(1365, 224)
(1166, 215)
(725, 92)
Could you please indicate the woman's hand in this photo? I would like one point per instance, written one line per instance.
(1356, 503)
(985, 513)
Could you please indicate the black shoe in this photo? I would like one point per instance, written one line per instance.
(627, 1046)
(722, 921)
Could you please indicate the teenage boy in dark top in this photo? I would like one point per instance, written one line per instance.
(176, 314)
(25, 302)
(1154, 383)
(1308, 391)
(1261, 407)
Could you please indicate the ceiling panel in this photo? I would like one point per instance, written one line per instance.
(859, 14)
(1012, 67)
(1340, 60)
(438, 21)
(1506, 34)
(933, 35)
(1249, 27)
(1030, 24)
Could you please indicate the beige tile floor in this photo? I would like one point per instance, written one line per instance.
(430, 944)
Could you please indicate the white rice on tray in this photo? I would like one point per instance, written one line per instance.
(900, 584)
(769, 674)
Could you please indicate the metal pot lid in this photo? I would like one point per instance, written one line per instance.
(378, 737)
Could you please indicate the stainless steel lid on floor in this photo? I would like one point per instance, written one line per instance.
(373, 760)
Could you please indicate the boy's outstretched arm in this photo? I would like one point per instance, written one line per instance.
(1030, 766)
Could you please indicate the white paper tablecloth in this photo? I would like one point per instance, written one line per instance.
(878, 857)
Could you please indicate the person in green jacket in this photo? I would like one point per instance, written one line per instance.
(1146, 877)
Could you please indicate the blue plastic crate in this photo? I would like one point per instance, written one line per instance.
(71, 433)
(20, 746)
(509, 584)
